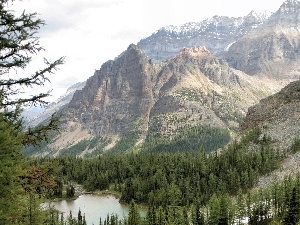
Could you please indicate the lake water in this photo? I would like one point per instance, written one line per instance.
(94, 207)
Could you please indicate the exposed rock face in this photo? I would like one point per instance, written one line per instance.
(117, 96)
(133, 95)
(272, 48)
(217, 34)
(197, 88)
(278, 115)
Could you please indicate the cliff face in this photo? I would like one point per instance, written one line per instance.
(273, 48)
(278, 115)
(117, 96)
(132, 96)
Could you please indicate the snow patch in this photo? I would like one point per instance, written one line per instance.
(227, 48)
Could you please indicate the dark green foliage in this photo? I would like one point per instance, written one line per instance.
(293, 208)
(189, 139)
(76, 149)
(192, 188)
(96, 144)
(10, 169)
(134, 217)
(162, 179)
(70, 191)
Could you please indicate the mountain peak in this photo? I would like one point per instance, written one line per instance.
(289, 6)
(199, 51)
(291, 3)
(288, 13)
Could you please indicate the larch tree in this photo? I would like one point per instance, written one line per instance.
(18, 44)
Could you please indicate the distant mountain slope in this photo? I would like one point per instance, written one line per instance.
(216, 34)
(273, 48)
(278, 115)
(55, 106)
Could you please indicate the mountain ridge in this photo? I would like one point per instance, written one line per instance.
(216, 33)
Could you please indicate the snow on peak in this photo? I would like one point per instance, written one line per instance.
(290, 4)
(185, 28)
(191, 28)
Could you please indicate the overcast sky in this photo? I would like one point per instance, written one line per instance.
(90, 32)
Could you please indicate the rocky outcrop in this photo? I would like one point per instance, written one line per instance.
(216, 33)
(278, 115)
(116, 96)
(273, 48)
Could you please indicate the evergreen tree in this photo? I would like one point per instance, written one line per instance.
(198, 216)
(70, 191)
(79, 218)
(10, 157)
(133, 215)
(18, 44)
(293, 209)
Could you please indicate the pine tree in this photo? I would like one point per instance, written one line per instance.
(293, 209)
(198, 218)
(134, 217)
(18, 43)
(10, 169)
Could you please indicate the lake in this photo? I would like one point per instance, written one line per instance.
(94, 207)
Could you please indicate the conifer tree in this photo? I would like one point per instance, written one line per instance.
(292, 215)
(134, 217)
(10, 146)
(18, 44)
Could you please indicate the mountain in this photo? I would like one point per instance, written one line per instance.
(278, 115)
(216, 33)
(54, 106)
(273, 48)
(132, 100)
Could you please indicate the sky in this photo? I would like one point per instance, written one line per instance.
(90, 32)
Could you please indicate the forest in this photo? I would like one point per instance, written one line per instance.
(195, 188)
